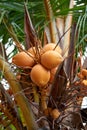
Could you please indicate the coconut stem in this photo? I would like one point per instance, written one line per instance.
(36, 96)
(43, 100)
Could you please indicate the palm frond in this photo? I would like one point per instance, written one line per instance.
(81, 32)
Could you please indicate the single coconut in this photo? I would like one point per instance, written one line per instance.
(84, 82)
(23, 59)
(51, 46)
(40, 75)
(51, 59)
(84, 72)
(55, 113)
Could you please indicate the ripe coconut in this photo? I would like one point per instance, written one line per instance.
(51, 46)
(22, 59)
(55, 113)
(52, 74)
(40, 75)
(84, 82)
(84, 72)
(80, 75)
(51, 59)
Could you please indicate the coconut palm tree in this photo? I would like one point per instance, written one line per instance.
(24, 25)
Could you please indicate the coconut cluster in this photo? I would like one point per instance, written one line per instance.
(42, 61)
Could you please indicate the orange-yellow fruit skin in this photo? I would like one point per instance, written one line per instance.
(51, 46)
(22, 59)
(51, 59)
(80, 75)
(83, 85)
(84, 72)
(55, 113)
(84, 82)
(40, 75)
(52, 74)
(33, 50)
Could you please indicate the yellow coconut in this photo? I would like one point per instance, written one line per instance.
(52, 74)
(84, 82)
(51, 46)
(84, 72)
(80, 75)
(40, 75)
(51, 59)
(22, 59)
(55, 113)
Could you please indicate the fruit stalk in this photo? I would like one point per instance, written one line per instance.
(43, 100)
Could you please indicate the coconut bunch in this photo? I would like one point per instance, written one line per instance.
(42, 62)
